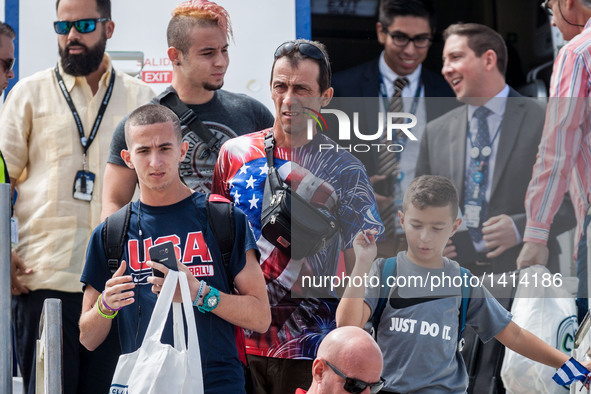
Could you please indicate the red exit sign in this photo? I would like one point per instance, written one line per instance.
(157, 76)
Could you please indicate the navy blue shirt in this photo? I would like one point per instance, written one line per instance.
(186, 225)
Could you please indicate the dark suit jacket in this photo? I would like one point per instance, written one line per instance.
(443, 152)
(364, 81)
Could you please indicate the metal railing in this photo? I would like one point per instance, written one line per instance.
(49, 348)
(5, 293)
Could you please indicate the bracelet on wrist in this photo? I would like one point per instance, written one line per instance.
(99, 301)
(200, 293)
(107, 305)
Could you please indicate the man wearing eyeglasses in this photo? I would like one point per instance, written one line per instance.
(405, 29)
(281, 358)
(486, 147)
(197, 37)
(56, 128)
(565, 151)
(348, 361)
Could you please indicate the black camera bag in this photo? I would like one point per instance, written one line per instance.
(288, 220)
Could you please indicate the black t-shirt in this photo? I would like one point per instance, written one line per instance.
(227, 115)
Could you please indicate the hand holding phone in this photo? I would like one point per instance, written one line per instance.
(164, 254)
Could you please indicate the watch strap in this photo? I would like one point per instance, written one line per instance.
(213, 293)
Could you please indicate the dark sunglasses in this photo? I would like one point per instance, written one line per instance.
(546, 7)
(7, 64)
(304, 48)
(356, 386)
(402, 40)
(83, 25)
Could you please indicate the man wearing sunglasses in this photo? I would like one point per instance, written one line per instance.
(281, 358)
(197, 37)
(7, 35)
(398, 78)
(565, 151)
(348, 361)
(56, 128)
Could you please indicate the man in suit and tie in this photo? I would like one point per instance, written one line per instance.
(487, 147)
(405, 28)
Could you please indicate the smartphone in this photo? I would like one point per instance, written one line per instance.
(164, 254)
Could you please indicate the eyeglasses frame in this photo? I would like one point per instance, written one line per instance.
(376, 385)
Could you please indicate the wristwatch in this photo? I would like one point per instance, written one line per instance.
(211, 300)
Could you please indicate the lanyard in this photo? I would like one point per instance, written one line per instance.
(86, 142)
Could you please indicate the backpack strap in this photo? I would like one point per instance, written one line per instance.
(220, 215)
(464, 273)
(189, 118)
(115, 235)
(389, 269)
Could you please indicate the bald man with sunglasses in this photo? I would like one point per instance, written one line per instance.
(348, 361)
(56, 128)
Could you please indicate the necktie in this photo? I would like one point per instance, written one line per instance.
(476, 180)
(387, 162)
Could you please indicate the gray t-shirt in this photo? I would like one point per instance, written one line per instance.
(418, 330)
(227, 115)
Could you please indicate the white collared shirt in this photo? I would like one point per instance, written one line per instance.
(497, 107)
(410, 154)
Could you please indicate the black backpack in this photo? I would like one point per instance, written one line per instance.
(220, 215)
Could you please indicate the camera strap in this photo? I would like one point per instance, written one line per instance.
(275, 182)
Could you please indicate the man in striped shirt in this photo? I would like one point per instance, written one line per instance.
(564, 155)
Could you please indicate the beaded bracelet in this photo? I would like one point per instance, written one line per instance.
(98, 308)
(105, 303)
(200, 293)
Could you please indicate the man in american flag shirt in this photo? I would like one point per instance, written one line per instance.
(281, 359)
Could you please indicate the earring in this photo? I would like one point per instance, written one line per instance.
(178, 63)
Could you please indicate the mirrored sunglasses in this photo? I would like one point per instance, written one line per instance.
(83, 25)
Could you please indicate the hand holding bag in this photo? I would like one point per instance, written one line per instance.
(549, 312)
(159, 368)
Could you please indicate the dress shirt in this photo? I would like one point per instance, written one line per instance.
(564, 154)
(410, 154)
(42, 148)
(497, 107)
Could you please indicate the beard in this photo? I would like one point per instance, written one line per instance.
(83, 64)
(212, 87)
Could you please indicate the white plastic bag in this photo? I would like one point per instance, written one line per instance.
(549, 312)
(159, 368)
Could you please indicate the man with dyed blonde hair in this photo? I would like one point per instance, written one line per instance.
(197, 37)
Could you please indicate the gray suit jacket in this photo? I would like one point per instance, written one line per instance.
(443, 152)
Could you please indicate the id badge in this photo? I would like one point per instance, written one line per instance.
(83, 185)
(472, 214)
